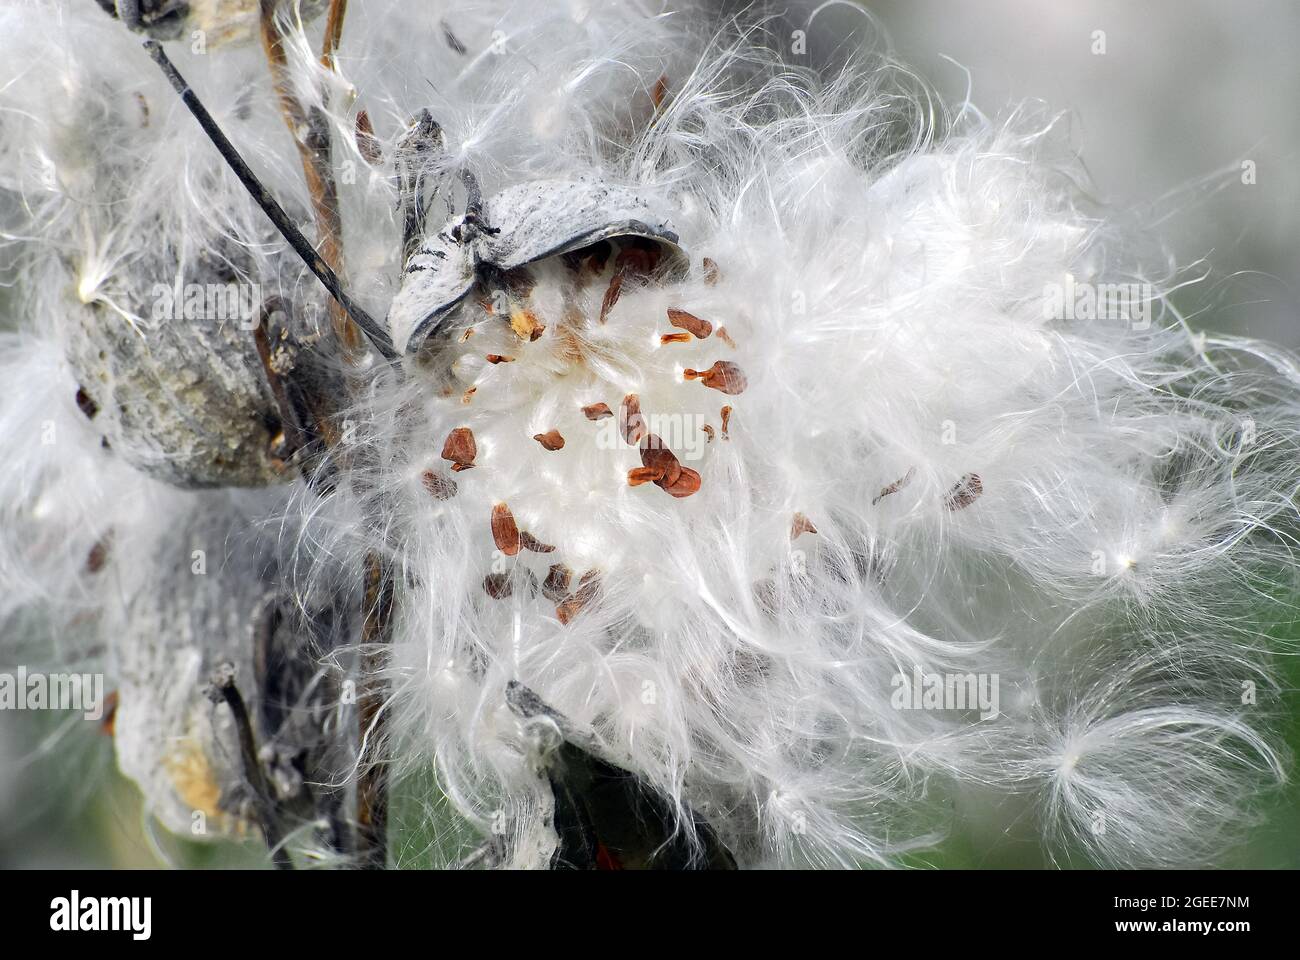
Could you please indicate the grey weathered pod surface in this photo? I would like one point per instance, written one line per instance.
(519, 225)
(221, 597)
(220, 21)
(181, 398)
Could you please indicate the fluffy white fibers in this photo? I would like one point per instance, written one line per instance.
(955, 496)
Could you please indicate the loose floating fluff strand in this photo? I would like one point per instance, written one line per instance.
(884, 459)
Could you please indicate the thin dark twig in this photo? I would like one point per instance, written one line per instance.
(223, 688)
(378, 337)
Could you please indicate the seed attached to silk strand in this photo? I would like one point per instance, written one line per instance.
(505, 532)
(801, 525)
(968, 489)
(597, 411)
(723, 376)
(551, 439)
(894, 487)
(690, 323)
(460, 448)
(442, 488)
(529, 542)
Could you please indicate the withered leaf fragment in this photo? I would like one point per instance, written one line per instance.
(550, 440)
(967, 490)
(505, 532)
(691, 323)
(460, 448)
(723, 375)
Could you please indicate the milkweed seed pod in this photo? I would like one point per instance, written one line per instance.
(739, 445)
(215, 600)
(211, 22)
(154, 274)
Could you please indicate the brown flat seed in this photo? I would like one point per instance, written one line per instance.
(726, 337)
(588, 589)
(708, 430)
(497, 586)
(498, 358)
(711, 272)
(443, 488)
(597, 411)
(556, 585)
(639, 475)
(98, 555)
(526, 325)
(551, 439)
(723, 375)
(657, 456)
(640, 255)
(468, 395)
(801, 525)
(690, 322)
(367, 142)
(726, 422)
(86, 405)
(967, 491)
(687, 482)
(630, 419)
(529, 542)
(460, 448)
(505, 532)
(611, 296)
(667, 338)
(660, 91)
(894, 487)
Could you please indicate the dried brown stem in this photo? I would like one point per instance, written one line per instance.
(311, 135)
(372, 787)
(224, 689)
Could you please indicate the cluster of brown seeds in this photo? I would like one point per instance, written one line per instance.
(635, 260)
